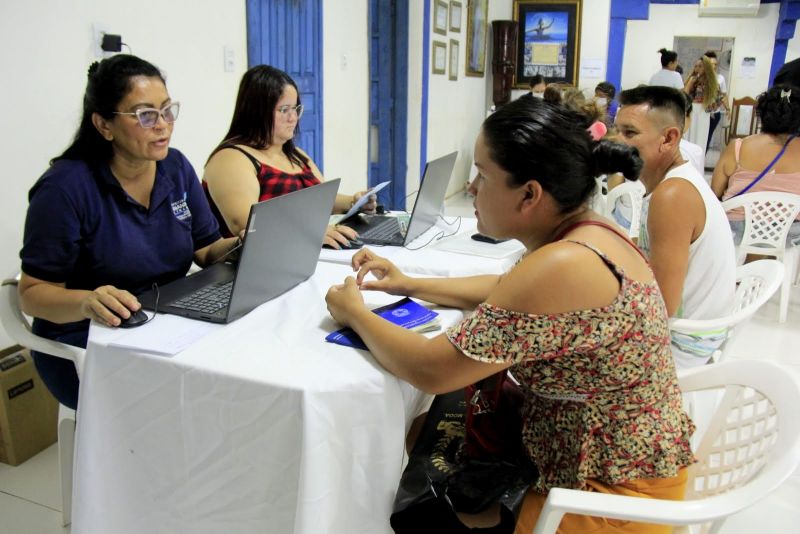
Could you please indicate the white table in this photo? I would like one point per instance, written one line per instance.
(261, 426)
(430, 256)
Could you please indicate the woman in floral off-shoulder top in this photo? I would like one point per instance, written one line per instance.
(579, 321)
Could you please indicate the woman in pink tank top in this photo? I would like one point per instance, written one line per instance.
(745, 159)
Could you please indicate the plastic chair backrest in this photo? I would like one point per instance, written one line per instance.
(749, 449)
(768, 216)
(634, 193)
(18, 327)
(756, 283)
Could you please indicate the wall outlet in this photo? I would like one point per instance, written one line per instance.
(229, 61)
(98, 29)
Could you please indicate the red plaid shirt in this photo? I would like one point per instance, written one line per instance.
(272, 183)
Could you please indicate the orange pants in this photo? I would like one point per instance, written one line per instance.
(653, 488)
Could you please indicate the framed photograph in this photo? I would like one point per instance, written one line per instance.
(439, 57)
(477, 26)
(454, 49)
(455, 16)
(548, 41)
(440, 17)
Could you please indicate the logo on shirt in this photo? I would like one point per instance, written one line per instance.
(181, 210)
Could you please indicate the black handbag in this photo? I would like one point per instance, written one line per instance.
(441, 479)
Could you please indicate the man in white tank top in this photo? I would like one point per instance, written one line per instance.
(684, 230)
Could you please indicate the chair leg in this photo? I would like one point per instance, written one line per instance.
(790, 260)
(66, 450)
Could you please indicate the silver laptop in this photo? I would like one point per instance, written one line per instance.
(281, 249)
(387, 230)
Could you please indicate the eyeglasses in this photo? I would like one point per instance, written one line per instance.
(284, 110)
(148, 117)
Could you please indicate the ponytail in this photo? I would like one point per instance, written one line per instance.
(610, 157)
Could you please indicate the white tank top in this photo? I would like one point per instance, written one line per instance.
(710, 284)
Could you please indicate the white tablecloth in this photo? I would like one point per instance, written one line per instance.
(261, 426)
(431, 254)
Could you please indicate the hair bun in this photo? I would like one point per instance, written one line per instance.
(662, 51)
(92, 68)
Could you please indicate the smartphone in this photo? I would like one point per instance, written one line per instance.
(486, 239)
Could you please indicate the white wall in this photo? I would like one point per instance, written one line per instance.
(793, 46)
(346, 84)
(45, 50)
(754, 37)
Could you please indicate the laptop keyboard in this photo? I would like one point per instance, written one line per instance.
(209, 299)
(384, 230)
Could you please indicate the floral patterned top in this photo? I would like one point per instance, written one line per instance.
(601, 395)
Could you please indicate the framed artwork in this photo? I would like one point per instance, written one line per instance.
(439, 57)
(477, 26)
(454, 49)
(455, 16)
(548, 41)
(440, 17)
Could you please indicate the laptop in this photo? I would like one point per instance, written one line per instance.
(387, 230)
(281, 249)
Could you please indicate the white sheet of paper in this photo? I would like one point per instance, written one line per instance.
(165, 334)
(364, 199)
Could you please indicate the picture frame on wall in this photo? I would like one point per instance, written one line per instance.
(440, 13)
(548, 41)
(439, 57)
(453, 64)
(455, 16)
(477, 31)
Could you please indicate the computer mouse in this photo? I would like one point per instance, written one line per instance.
(353, 244)
(137, 318)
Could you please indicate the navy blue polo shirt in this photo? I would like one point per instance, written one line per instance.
(83, 230)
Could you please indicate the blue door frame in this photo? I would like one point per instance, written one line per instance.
(388, 98)
(287, 34)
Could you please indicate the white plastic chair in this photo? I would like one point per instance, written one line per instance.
(756, 283)
(767, 218)
(632, 194)
(750, 448)
(18, 328)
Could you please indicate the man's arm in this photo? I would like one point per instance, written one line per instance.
(675, 219)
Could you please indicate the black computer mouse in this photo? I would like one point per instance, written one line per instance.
(353, 244)
(137, 318)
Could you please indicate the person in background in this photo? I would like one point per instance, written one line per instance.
(722, 98)
(538, 86)
(667, 75)
(744, 159)
(691, 152)
(117, 211)
(684, 230)
(537, 167)
(604, 94)
(703, 87)
(258, 160)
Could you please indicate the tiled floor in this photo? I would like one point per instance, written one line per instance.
(30, 500)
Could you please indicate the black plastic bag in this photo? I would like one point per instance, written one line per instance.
(440, 479)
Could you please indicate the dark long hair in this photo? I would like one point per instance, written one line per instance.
(108, 83)
(254, 114)
(535, 140)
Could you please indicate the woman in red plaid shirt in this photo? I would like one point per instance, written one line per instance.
(257, 159)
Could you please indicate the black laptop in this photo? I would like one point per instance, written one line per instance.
(388, 230)
(281, 249)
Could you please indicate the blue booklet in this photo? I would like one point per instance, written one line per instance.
(405, 313)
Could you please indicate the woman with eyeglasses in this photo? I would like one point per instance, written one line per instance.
(258, 160)
(115, 213)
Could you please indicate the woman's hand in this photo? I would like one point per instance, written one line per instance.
(388, 277)
(370, 206)
(337, 236)
(108, 305)
(344, 300)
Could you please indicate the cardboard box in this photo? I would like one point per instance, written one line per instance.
(28, 412)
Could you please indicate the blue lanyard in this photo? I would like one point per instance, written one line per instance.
(767, 168)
